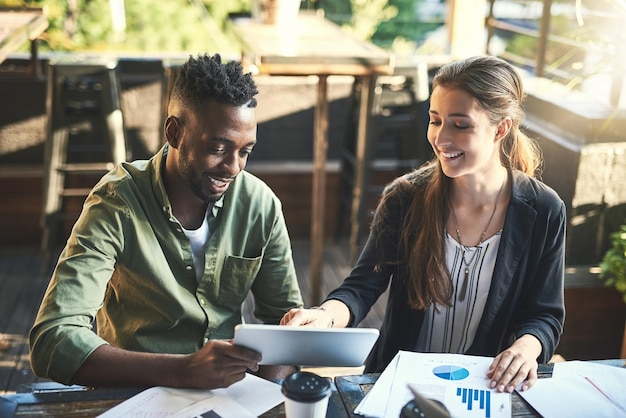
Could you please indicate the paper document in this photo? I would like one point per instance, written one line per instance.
(249, 397)
(458, 381)
(580, 389)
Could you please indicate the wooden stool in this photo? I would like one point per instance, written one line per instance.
(85, 132)
(396, 143)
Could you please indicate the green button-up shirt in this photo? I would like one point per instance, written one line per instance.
(128, 265)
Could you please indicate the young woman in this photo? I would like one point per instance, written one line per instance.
(471, 244)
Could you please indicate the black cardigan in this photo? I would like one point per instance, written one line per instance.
(526, 294)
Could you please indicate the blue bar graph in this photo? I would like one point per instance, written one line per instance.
(476, 399)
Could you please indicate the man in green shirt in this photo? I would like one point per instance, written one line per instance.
(166, 250)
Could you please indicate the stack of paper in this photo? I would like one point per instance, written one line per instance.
(247, 398)
(580, 389)
(458, 381)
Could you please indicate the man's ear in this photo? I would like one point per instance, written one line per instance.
(172, 131)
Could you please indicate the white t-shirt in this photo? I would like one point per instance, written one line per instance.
(198, 238)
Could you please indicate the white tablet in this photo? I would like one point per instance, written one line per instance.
(304, 346)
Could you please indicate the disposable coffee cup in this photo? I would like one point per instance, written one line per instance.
(306, 395)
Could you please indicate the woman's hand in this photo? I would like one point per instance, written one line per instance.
(314, 317)
(515, 365)
(331, 314)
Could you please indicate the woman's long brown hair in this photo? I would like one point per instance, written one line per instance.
(497, 86)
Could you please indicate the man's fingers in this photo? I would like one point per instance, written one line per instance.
(226, 354)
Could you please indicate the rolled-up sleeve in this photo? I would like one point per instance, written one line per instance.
(62, 336)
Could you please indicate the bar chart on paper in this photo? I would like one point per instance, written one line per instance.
(475, 399)
(472, 399)
(458, 381)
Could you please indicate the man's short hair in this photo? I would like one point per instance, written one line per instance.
(205, 78)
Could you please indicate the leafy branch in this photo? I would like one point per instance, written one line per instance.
(613, 265)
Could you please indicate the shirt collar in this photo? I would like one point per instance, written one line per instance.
(158, 162)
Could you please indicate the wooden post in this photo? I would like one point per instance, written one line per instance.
(359, 187)
(466, 27)
(320, 146)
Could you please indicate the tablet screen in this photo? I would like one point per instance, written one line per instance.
(304, 346)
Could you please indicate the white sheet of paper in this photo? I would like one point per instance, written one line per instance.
(458, 381)
(255, 394)
(156, 401)
(569, 392)
(374, 403)
(221, 405)
(251, 396)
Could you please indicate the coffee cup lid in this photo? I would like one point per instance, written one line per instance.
(306, 387)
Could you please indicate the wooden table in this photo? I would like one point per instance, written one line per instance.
(353, 389)
(53, 400)
(316, 46)
(56, 401)
(20, 25)
(348, 391)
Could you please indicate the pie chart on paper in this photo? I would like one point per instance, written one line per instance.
(449, 372)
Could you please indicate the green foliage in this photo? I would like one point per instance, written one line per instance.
(367, 15)
(361, 18)
(200, 25)
(219, 9)
(613, 265)
(405, 25)
(11, 3)
(390, 24)
(165, 26)
(338, 11)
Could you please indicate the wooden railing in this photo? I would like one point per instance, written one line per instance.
(573, 40)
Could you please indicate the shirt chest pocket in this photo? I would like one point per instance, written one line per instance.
(236, 279)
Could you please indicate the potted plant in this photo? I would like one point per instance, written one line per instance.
(613, 268)
(613, 265)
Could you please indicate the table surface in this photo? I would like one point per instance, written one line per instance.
(352, 389)
(18, 26)
(53, 400)
(313, 45)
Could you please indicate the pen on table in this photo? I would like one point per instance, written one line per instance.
(606, 395)
(429, 407)
(59, 389)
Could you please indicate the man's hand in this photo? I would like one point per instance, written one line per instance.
(216, 365)
(220, 364)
